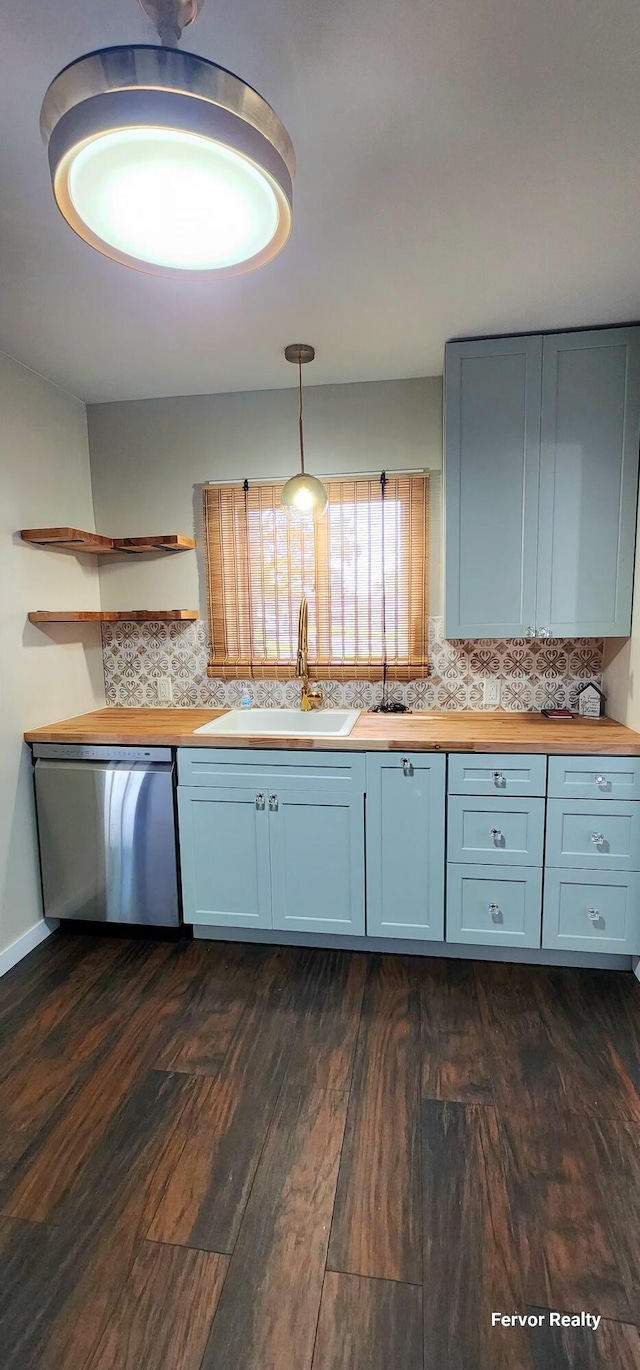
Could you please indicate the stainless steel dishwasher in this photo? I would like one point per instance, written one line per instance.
(107, 833)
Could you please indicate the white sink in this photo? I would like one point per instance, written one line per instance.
(283, 723)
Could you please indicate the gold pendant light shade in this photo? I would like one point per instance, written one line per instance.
(306, 494)
(168, 163)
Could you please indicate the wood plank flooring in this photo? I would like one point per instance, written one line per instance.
(217, 1157)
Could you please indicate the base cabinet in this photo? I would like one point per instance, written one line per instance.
(278, 841)
(592, 911)
(405, 845)
(224, 851)
(486, 906)
(272, 858)
(316, 843)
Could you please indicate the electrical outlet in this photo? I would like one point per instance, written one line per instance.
(492, 692)
(165, 689)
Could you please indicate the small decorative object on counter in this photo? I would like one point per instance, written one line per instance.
(591, 702)
(557, 713)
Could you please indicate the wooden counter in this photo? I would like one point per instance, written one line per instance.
(444, 732)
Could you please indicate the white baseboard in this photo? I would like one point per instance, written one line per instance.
(16, 951)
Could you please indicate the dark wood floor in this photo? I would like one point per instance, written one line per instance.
(216, 1157)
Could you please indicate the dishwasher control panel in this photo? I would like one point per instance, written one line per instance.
(83, 751)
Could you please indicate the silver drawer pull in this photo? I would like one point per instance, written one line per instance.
(594, 916)
(543, 632)
(496, 913)
(598, 839)
(259, 801)
(407, 767)
(273, 802)
(601, 780)
(498, 778)
(497, 835)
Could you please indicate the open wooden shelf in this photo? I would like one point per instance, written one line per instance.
(76, 540)
(112, 615)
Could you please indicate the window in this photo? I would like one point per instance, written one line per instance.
(261, 559)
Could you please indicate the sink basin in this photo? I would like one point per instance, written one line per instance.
(282, 723)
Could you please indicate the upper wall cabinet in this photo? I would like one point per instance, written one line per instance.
(541, 474)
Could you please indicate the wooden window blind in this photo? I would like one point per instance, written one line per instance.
(261, 558)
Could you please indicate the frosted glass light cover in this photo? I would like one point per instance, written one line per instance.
(173, 198)
(307, 494)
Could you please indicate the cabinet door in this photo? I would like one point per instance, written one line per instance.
(588, 482)
(492, 457)
(317, 861)
(405, 845)
(224, 852)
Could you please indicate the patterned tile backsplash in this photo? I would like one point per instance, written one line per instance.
(533, 675)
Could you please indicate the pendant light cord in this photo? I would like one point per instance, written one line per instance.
(245, 488)
(301, 416)
(383, 483)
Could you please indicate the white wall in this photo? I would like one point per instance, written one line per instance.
(44, 481)
(622, 663)
(147, 456)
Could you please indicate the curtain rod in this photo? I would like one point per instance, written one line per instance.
(323, 475)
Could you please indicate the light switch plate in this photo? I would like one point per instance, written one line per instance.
(165, 689)
(492, 691)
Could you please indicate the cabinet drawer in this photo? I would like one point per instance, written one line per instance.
(502, 832)
(592, 911)
(293, 770)
(485, 906)
(594, 777)
(593, 834)
(497, 774)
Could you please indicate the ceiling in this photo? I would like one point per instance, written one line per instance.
(463, 168)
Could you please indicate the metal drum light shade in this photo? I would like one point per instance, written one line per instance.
(168, 163)
(303, 492)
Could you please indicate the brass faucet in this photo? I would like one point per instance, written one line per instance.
(309, 699)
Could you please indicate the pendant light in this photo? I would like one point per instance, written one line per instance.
(166, 162)
(303, 492)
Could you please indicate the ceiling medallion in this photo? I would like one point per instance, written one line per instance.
(166, 162)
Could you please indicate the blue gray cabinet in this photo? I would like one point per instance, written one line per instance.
(405, 845)
(495, 837)
(316, 841)
(491, 907)
(276, 841)
(272, 839)
(224, 856)
(592, 911)
(588, 482)
(592, 875)
(541, 474)
(491, 472)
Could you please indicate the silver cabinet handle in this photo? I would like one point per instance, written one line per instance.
(273, 803)
(259, 801)
(496, 912)
(407, 766)
(543, 632)
(496, 834)
(594, 915)
(530, 632)
(597, 838)
(600, 780)
(498, 778)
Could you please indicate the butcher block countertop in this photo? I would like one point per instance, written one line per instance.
(440, 732)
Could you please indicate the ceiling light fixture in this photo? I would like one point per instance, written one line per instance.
(303, 492)
(166, 162)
